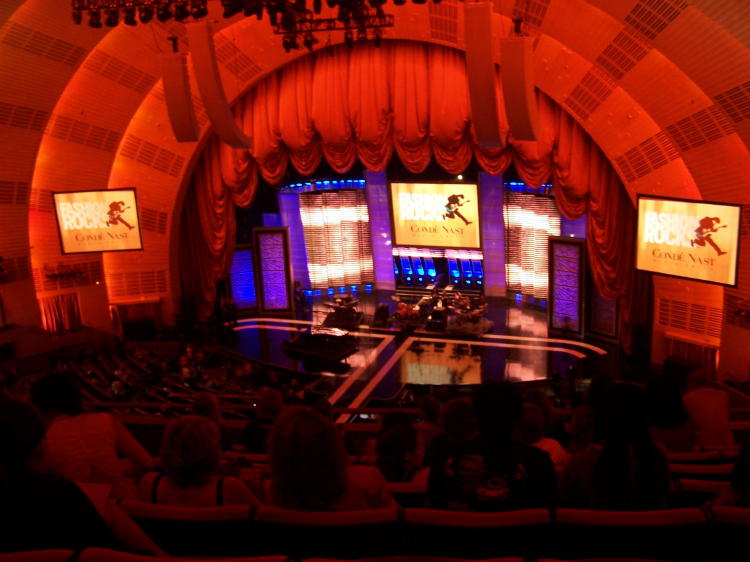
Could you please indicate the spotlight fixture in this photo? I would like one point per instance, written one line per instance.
(296, 20)
(164, 10)
(113, 17)
(95, 18)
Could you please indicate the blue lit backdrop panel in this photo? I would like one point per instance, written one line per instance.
(567, 264)
(273, 269)
(242, 278)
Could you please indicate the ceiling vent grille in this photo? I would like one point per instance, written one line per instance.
(736, 102)
(444, 21)
(149, 154)
(651, 17)
(43, 45)
(235, 61)
(119, 71)
(690, 317)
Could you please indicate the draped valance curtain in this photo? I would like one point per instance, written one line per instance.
(365, 103)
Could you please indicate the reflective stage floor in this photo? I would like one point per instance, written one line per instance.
(388, 362)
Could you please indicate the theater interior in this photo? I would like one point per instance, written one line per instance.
(366, 203)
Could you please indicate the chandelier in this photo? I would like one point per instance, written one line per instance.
(360, 20)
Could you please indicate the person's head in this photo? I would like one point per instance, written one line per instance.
(308, 460)
(270, 404)
(666, 408)
(430, 408)
(191, 450)
(399, 453)
(498, 407)
(539, 398)
(205, 404)
(21, 433)
(56, 393)
(531, 428)
(457, 419)
(392, 419)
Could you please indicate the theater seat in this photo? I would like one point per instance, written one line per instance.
(194, 531)
(729, 529)
(50, 555)
(666, 533)
(433, 532)
(344, 534)
(107, 555)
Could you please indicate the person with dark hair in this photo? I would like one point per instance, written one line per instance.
(494, 472)
(190, 454)
(671, 425)
(40, 511)
(625, 469)
(531, 432)
(310, 470)
(429, 426)
(400, 453)
(207, 405)
(86, 447)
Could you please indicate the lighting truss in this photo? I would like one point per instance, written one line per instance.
(111, 12)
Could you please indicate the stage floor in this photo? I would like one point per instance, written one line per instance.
(389, 361)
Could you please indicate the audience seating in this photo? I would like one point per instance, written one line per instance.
(729, 531)
(474, 535)
(107, 555)
(702, 471)
(667, 533)
(345, 534)
(195, 531)
(51, 555)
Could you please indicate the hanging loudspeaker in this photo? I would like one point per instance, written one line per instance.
(480, 68)
(517, 77)
(209, 83)
(178, 97)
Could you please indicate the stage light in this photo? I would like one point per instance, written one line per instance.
(129, 18)
(181, 11)
(113, 17)
(77, 16)
(95, 18)
(309, 41)
(349, 39)
(163, 13)
(198, 9)
(231, 8)
(145, 14)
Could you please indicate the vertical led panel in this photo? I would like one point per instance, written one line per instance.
(337, 237)
(242, 279)
(566, 257)
(274, 276)
(530, 220)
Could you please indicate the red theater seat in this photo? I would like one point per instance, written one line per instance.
(666, 533)
(345, 534)
(194, 531)
(106, 555)
(51, 555)
(474, 535)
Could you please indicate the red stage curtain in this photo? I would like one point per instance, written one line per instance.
(364, 103)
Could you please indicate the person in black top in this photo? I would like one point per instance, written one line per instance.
(493, 472)
(40, 511)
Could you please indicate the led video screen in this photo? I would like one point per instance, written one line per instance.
(98, 221)
(691, 239)
(435, 215)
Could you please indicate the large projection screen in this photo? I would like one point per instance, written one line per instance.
(98, 221)
(690, 239)
(435, 215)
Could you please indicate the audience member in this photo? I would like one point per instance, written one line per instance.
(531, 432)
(671, 425)
(400, 453)
(623, 468)
(494, 472)
(269, 406)
(86, 447)
(429, 426)
(310, 470)
(40, 511)
(709, 412)
(207, 405)
(553, 426)
(583, 427)
(190, 455)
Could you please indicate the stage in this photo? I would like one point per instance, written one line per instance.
(389, 362)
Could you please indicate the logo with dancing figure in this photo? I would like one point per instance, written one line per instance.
(452, 208)
(706, 226)
(114, 215)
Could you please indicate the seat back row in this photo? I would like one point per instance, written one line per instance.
(566, 533)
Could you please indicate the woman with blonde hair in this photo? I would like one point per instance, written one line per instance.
(190, 455)
(310, 469)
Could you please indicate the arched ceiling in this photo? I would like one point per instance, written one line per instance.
(663, 86)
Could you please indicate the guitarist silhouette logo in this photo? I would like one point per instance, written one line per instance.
(114, 215)
(451, 208)
(706, 226)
